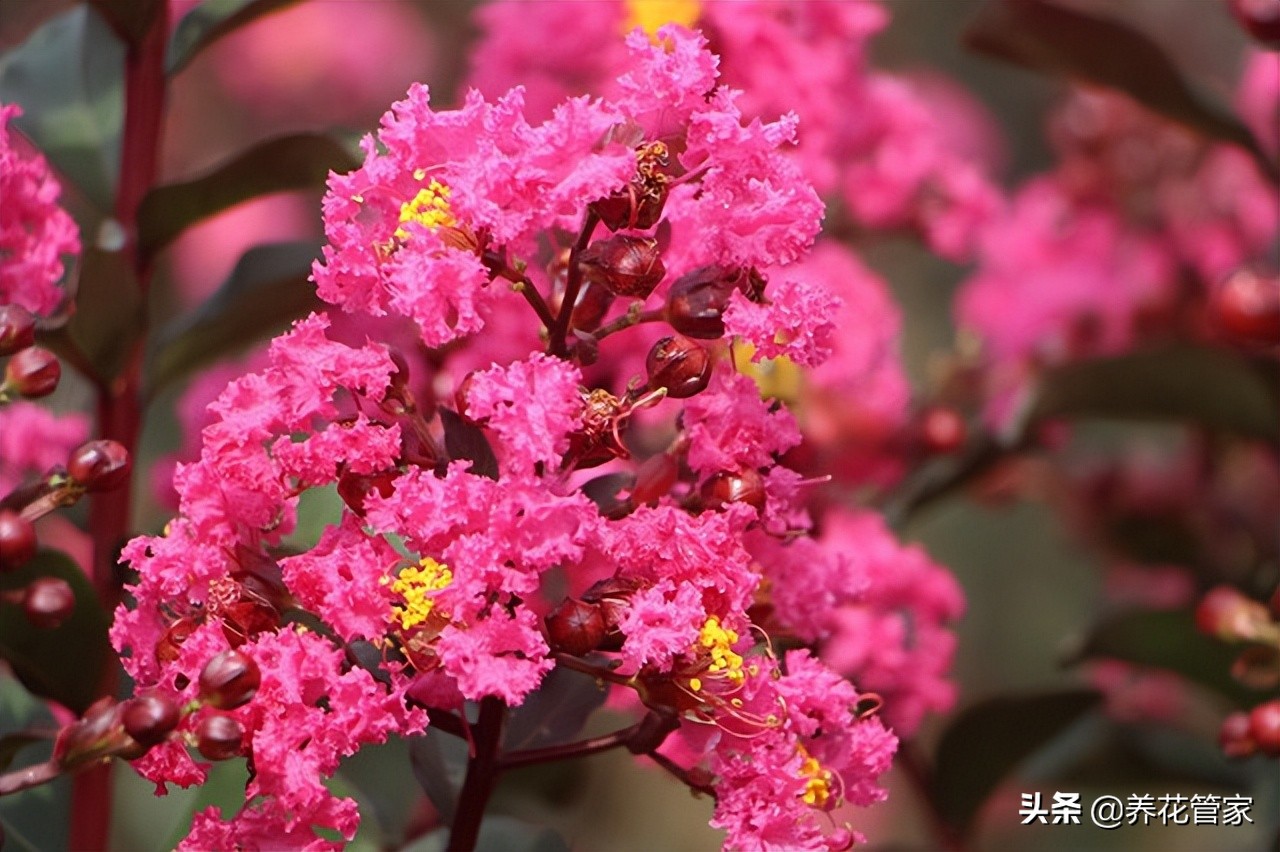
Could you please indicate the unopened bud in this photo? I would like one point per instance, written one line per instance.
(100, 465)
(1235, 737)
(1227, 614)
(625, 265)
(679, 365)
(149, 718)
(1261, 18)
(229, 680)
(47, 602)
(17, 540)
(746, 486)
(33, 372)
(1264, 727)
(219, 737)
(1247, 304)
(575, 627)
(697, 300)
(17, 329)
(942, 430)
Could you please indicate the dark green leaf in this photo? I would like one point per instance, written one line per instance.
(131, 19)
(299, 161)
(555, 713)
(439, 763)
(210, 21)
(69, 79)
(11, 744)
(986, 742)
(603, 490)
(268, 289)
(1047, 37)
(35, 819)
(1150, 756)
(1169, 640)
(466, 441)
(66, 663)
(1207, 386)
(100, 334)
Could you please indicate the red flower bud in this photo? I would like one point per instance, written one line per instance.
(95, 735)
(100, 465)
(229, 680)
(1247, 306)
(149, 718)
(354, 488)
(625, 265)
(746, 486)
(1260, 17)
(1264, 727)
(17, 540)
(697, 300)
(1235, 737)
(219, 737)
(942, 430)
(48, 602)
(639, 204)
(575, 627)
(17, 329)
(679, 365)
(1229, 615)
(33, 372)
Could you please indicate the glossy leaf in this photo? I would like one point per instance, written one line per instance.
(210, 21)
(35, 819)
(131, 19)
(555, 713)
(603, 490)
(498, 833)
(299, 161)
(987, 742)
(107, 321)
(1169, 640)
(67, 662)
(69, 79)
(466, 441)
(268, 289)
(1048, 37)
(1207, 386)
(439, 763)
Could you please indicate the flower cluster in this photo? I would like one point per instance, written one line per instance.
(35, 233)
(518, 250)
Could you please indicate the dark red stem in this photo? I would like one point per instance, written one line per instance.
(573, 283)
(482, 773)
(582, 748)
(119, 402)
(28, 777)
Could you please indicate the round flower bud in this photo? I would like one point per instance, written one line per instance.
(219, 737)
(679, 365)
(17, 329)
(1235, 737)
(48, 602)
(625, 265)
(1247, 306)
(575, 627)
(696, 302)
(1264, 727)
(17, 540)
(33, 372)
(100, 465)
(942, 430)
(149, 718)
(1231, 616)
(1261, 18)
(746, 486)
(229, 680)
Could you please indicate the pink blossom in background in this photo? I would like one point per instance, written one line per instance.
(35, 233)
(34, 439)
(1258, 98)
(327, 62)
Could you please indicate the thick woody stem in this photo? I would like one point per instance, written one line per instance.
(482, 773)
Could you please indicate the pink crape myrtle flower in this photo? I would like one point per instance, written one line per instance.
(465, 509)
(34, 439)
(36, 234)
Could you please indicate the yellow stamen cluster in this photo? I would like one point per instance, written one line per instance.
(718, 643)
(429, 208)
(818, 781)
(650, 15)
(778, 378)
(414, 586)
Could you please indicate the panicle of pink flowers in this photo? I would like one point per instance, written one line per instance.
(464, 469)
(35, 233)
(871, 139)
(1139, 219)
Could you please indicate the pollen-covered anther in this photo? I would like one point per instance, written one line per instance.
(415, 586)
(429, 208)
(818, 782)
(718, 643)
